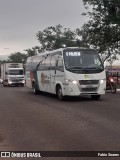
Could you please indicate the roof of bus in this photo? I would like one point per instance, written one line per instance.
(61, 49)
(57, 50)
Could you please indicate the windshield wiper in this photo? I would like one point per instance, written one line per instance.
(84, 68)
(76, 67)
(94, 68)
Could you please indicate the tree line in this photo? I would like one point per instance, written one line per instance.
(101, 32)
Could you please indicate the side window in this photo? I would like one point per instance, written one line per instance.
(42, 65)
(53, 61)
(32, 65)
(59, 65)
(28, 64)
(54, 58)
(47, 62)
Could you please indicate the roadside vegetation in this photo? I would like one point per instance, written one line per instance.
(101, 32)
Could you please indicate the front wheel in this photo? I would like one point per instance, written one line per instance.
(4, 84)
(95, 97)
(22, 85)
(59, 93)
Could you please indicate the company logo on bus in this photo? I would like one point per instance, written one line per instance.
(88, 76)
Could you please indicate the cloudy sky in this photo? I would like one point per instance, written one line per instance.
(20, 20)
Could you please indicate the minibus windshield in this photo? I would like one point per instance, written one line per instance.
(82, 60)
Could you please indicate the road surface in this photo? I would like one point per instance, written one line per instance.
(43, 123)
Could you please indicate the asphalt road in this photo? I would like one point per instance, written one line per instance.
(42, 123)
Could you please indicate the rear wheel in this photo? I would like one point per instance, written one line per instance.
(35, 91)
(95, 97)
(59, 93)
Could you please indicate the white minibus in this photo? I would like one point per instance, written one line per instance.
(68, 71)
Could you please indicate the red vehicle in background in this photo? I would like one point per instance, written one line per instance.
(110, 83)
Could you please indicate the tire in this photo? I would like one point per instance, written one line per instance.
(35, 91)
(95, 97)
(4, 83)
(113, 88)
(22, 85)
(59, 93)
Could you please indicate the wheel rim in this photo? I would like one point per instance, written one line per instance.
(60, 96)
(113, 88)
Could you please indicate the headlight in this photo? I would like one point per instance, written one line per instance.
(23, 81)
(111, 80)
(10, 82)
(102, 81)
(73, 81)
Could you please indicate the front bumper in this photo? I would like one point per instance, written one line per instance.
(85, 87)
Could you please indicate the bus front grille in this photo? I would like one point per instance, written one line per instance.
(94, 89)
(88, 82)
(89, 85)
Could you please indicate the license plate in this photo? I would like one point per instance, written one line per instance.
(89, 86)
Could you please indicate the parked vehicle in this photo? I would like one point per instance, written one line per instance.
(12, 74)
(68, 71)
(110, 83)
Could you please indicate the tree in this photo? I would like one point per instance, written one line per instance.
(108, 9)
(32, 52)
(55, 37)
(103, 27)
(17, 57)
(82, 38)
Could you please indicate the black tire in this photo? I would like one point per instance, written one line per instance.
(22, 85)
(59, 93)
(35, 91)
(95, 97)
(4, 84)
(113, 88)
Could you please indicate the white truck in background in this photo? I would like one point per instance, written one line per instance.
(12, 74)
